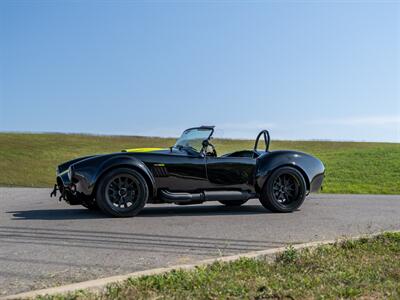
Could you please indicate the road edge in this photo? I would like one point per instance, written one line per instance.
(101, 283)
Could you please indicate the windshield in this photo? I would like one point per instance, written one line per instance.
(193, 138)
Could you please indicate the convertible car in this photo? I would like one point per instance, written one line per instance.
(190, 172)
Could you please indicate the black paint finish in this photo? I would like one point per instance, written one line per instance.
(179, 170)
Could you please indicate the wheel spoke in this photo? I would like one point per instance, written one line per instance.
(285, 189)
(123, 191)
(125, 203)
(285, 181)
(284, 198)
(280, 196)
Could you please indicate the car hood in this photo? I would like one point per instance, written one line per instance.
(140, 153)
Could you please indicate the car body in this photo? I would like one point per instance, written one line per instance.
(189, 172)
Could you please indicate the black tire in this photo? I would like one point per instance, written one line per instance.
(122, 192)
(90, 204)
(233, 203)
(284, 191)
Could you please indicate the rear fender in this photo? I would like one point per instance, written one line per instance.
(311, 167)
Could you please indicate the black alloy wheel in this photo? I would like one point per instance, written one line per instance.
(284, 191)
(285, 188)
(122, 192)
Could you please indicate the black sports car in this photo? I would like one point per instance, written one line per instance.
(190, 172)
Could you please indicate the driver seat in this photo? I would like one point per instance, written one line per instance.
(242, 153)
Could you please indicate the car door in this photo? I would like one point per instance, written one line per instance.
(180, 172)
(230, 172)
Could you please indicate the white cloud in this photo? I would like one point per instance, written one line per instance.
(393, 120)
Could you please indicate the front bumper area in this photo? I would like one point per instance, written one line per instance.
(67, 188)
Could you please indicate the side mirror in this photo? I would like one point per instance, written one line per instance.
(205, 143)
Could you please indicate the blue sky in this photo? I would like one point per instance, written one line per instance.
(303, 70)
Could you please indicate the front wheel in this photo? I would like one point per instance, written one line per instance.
(233, 203)
(122, 192)
(284, 191)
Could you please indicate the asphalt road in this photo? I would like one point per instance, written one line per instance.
(44, 242)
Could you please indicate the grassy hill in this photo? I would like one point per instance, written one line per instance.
(351, 167)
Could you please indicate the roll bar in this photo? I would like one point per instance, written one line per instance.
(267, 139)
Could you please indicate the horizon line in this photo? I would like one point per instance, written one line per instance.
(174, 137)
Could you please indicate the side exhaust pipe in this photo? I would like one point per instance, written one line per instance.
(205, 196)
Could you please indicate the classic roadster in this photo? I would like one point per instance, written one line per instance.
(189, 172)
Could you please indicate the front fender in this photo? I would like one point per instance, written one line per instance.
(88, 173)
(64, 166)
(311, 167)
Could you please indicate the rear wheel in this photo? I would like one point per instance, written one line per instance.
(122, 192)
(233, 203)
(284, 191)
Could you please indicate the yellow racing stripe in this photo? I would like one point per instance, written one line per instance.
(143, 149)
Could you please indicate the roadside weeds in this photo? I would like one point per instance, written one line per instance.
(363, 266)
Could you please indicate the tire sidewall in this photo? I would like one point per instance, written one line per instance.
(90, 204)
(268, 199)
(110, 209)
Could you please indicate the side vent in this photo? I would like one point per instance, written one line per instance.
(159, 171)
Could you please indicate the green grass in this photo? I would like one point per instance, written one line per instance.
(30, 159)
(368, 269)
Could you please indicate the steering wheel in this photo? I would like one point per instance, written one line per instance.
(265, 134)
(213, 152)
(206, 144)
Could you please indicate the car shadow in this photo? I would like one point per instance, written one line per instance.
(209, 210)
(56, 214)
(168, 211)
